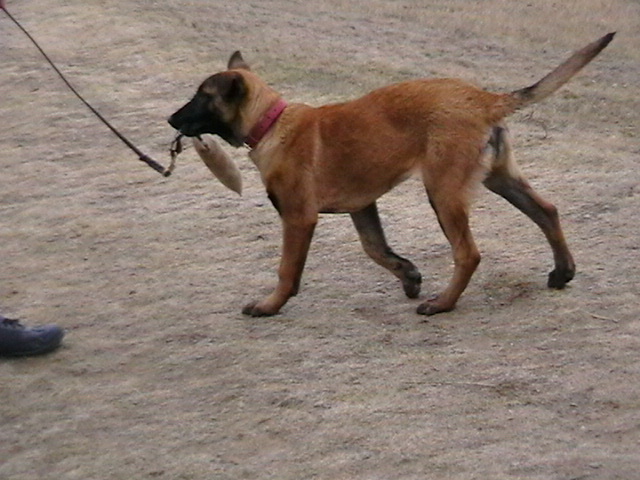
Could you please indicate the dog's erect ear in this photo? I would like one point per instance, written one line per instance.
(236, 61)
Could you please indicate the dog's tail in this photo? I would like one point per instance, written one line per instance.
(554, 80)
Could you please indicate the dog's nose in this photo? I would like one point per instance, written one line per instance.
(173, 121)
(180, 116)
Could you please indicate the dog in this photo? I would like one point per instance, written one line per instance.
(341, 158)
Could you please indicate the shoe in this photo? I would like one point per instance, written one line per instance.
(18, 340)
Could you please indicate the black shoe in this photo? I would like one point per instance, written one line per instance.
(18, 340)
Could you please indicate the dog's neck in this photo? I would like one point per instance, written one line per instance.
(265, 123)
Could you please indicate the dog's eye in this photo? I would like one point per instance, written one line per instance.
(203, 100)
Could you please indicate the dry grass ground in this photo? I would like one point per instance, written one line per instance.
(162, 377)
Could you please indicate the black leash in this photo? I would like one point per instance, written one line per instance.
(141, 156)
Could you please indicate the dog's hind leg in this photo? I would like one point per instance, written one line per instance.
(449, 171)
(367, 223)
(504, 180)
(452, 214)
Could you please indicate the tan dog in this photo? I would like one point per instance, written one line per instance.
(340, 158)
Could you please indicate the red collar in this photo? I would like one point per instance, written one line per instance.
(261, 128)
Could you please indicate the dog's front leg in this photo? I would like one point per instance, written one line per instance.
(296, 240)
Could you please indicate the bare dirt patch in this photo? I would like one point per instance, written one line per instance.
(162, 377)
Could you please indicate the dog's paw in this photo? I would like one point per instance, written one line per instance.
(434, 305)
(253, 309)
(411, 284)
(558, 279)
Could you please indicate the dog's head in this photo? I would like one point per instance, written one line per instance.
(219, 106)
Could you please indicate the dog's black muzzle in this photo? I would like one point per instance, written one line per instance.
(200, 116)
(196, 118)
(192, 119)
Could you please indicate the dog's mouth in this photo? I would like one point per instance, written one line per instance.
(188, 128)
(193, 129)
(201, 124)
